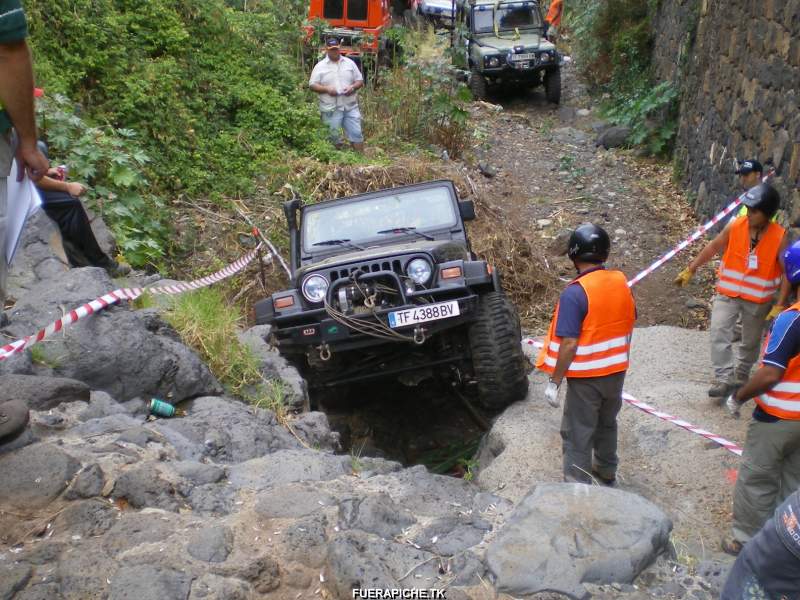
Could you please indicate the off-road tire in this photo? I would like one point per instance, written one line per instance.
(478, 85)
(496, 349)
(552, 85)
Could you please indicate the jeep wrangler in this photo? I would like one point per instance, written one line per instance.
(505, 42)
(385, 285)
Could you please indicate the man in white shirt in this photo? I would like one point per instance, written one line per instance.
(336, 79)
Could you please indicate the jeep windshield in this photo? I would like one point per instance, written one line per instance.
(360, 221)
(507, 17)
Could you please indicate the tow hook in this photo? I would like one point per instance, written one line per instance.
(419, 336)
(325, 352)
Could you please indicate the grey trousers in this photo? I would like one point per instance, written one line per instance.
(725, 312)
(589, 427)
(6, 155)
(768, 474)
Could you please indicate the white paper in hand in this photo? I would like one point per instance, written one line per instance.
(23, 200)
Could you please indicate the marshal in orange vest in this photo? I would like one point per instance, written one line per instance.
(753, 276)
(604, 343)
(783, 400)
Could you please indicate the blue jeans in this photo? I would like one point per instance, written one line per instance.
(349, 120)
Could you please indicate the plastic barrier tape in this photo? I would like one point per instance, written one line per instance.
(727, 444)
(695, 236)
(110, 298)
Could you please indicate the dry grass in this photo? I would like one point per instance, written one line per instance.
(216, 233)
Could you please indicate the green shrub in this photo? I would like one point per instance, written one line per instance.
(213, 93)
(111, 162)
(614, 57)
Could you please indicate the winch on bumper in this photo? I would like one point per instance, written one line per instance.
(348, 321)
(519, 64)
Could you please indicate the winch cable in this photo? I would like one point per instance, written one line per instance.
(516, 35)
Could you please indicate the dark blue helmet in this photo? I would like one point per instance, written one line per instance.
(791, 262)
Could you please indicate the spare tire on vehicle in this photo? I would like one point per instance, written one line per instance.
(495, 342)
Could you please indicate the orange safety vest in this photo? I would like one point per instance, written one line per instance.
(605, 339)
(554, 14)
(739, 277)
(783, 400)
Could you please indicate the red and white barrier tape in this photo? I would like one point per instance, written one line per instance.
(110, 298)
(727, 444)
(695, 236)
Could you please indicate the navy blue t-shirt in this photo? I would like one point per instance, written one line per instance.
(572, 308)
(784, 344)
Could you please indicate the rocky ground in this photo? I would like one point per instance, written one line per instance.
(97, 500)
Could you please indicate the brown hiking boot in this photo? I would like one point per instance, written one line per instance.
(13, 420)
(731, 546)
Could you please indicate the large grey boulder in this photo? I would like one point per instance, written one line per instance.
(274, 366)
(146, 582)
(613, 137)
(288, 466)
(34, 476)
(142, 486)
(376, 513)
(211, 544)
(42, 393)
(120, 351)
(225, 430)
(564, 534)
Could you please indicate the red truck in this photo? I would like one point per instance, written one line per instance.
(360, 25)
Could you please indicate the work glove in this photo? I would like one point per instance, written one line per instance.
(551, 394)
(684, 277)
(776, 310)
(733, 406)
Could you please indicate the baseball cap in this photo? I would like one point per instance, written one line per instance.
(332, 43)
(748, 166)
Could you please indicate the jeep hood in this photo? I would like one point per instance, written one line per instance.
(436, 248)
(490, 44)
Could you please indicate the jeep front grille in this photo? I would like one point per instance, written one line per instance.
(395, 266)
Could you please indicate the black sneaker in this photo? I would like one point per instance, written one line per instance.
(13, 420)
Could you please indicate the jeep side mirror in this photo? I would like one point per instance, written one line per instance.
(467, 210)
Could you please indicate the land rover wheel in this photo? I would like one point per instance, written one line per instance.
(497, 360)
(552, 85)
(477, 85)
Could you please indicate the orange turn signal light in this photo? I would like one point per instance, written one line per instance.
(284, 302)
(452, 273)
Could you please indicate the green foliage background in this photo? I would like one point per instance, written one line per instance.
(615, 59)
(206, 96)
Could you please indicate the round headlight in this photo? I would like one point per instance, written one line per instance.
(494, 62)
(314, 288)
(419, 270)
(544, 57)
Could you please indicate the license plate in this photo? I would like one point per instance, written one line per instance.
(423, 314)
(518, 57)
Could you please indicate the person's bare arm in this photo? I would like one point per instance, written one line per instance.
(323, 89)
(762, 381)
(72, 188)
(566, 354)
(16, 94)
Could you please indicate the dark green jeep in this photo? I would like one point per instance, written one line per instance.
(505, 42)
(385, 285)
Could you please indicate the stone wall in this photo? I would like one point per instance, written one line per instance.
(738, 67)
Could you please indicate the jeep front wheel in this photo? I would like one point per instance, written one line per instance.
(552, 86)
(477, 85)
(497, 359)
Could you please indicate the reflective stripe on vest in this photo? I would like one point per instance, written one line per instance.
(783, 400)
(604, 342)
(736, 278)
